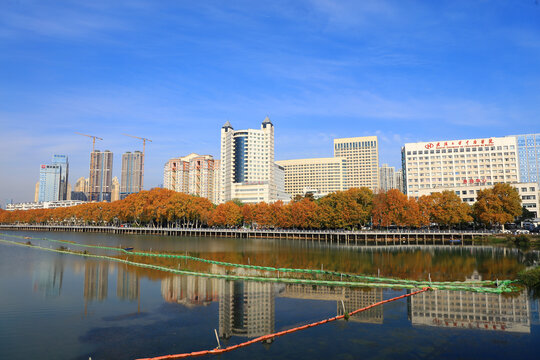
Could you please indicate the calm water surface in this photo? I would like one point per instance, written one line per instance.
(62, 306)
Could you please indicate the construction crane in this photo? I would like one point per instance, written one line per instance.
(144, 140)
(93, 139)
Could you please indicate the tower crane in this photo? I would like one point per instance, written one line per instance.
(144, 140)
(93, 139)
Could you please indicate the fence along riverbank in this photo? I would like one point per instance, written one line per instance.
(348, 238)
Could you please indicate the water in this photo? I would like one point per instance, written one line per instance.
(62, 306)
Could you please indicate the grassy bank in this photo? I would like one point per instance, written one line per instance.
(524, 242)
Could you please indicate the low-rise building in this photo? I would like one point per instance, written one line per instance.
(43, 205)
(528, 192)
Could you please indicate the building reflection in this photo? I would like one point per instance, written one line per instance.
(347, 299)
(469, 310)
(246, 309)
(127, 283)
(96, 280)
(48, 278)
(190, 290)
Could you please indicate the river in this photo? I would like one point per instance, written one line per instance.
(64, 306)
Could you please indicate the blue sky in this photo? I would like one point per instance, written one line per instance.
(175, 71)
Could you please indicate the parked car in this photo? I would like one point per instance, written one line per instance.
(521, 231)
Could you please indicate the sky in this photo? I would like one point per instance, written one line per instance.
(176, 71)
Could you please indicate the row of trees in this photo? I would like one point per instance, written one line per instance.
(351, 209)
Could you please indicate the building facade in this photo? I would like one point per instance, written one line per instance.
(362, 161)
(193, 174)
(43, 205)
(320, 175)
(62, 160)
(248, 170)
(454, 163)
(387, 177)
(49, 183)
(399, 181)
(115, 189)
(529, 157)
(132, 173)
(36, 192)
(100, 183)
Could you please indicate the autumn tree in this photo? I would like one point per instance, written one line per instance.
(346, 209)
(389, 208)
(447, 209)
(497, 205)
(228, 214)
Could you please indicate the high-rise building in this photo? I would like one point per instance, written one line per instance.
(529, 157)
(101, 163)
(320, 175)
(36, 192)
(132, 173)
(454, 163)
(248, 171)
(399, 181)
(193, 174)
(387, 177)
(115, 189)
(82, 185)
(81, 189)
(62, 160)
(53, 180)
(362, 161)
(49, 182)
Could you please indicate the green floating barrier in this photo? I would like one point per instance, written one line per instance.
(504, 286)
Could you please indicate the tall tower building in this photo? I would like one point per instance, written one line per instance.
(101, 163)
(387, 179)
(193, 174)
(49, 182)
(132, 173)
(62, 160)
(36, 192)
(399, 181)
(247, 164)
(82, 185)
(362, 161)
(115, 189)
(529, 158)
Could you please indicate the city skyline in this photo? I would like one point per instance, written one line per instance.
(403, 71)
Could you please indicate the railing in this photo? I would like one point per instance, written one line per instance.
(265, 230)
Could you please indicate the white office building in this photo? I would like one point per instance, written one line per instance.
(456, 163)
(248, 171)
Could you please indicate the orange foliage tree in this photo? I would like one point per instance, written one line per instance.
(497, 205)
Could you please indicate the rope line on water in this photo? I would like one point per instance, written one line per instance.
(499, 283)
(503, 287)
(218, 350)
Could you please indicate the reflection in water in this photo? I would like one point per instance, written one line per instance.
(468, 310)
(190, 290)
(96, 280)
(48, 278)
(349, 298)
(127, 284)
